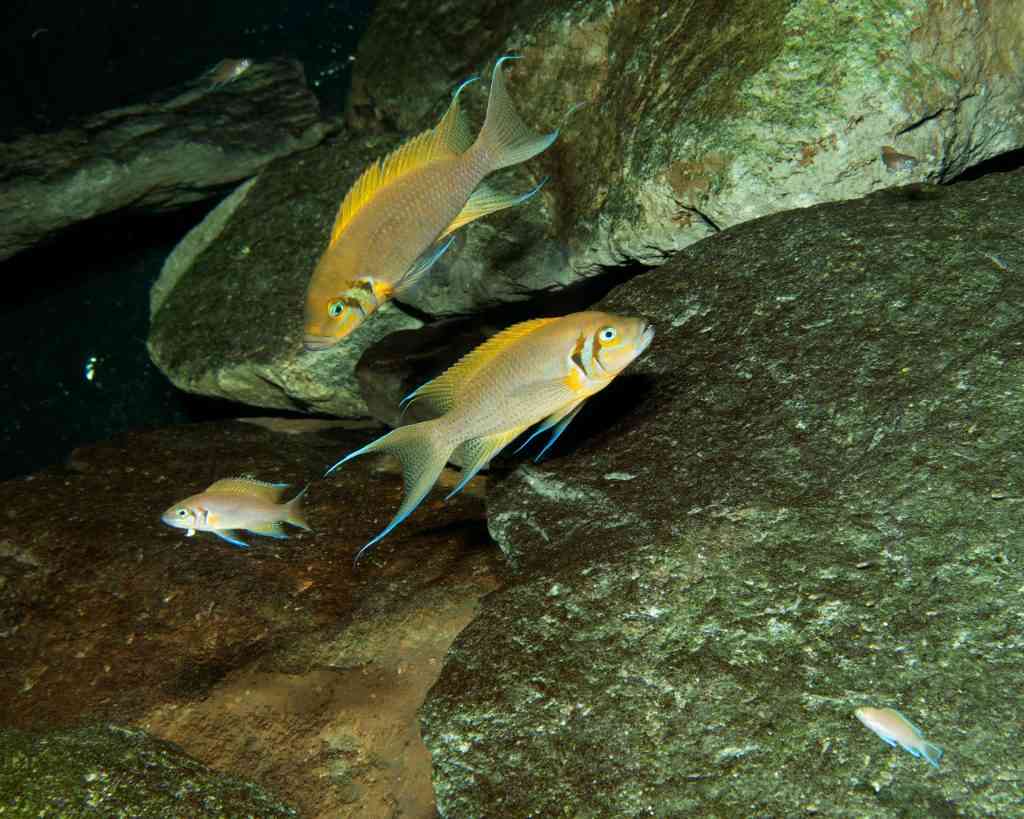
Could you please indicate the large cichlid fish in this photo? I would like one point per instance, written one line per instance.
(398, 218)
(541, 370)
(230, 504)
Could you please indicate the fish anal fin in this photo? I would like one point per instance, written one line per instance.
(249, 487)
(268, 529)
(229, 536)
(486, 200)
(449, 137)
(476, 453)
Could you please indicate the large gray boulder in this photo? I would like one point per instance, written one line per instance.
(699, 116)
(805, 498)
(187, 145)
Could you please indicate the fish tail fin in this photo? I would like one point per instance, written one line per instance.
(932, 753)
(505, 138)
(294, 513)
(423, 451)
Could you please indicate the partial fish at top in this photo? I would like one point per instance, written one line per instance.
(541, 370)
(398, 218)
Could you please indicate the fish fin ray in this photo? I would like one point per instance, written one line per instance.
(234, 541)
(932, 753)
(476, 453)
(485, 201)
(249, 487)
(547, 423)
(443, 389)
(451, 136)
(504, 136)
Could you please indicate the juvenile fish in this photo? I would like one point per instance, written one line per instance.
(398, 218)
(895, 729)
(227, 71)
(537, 371)
(238, 503)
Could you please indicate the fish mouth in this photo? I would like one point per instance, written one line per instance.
(314, 343)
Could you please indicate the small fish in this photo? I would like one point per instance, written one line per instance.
(398, 218)
(227, 71)
(895, 729)
(895, 161)
(541, 370)
(237, 503)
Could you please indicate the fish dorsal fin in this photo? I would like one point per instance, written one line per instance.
(441, 392)
(450, 137)
(249, 486)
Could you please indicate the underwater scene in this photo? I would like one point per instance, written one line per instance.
(518, 409)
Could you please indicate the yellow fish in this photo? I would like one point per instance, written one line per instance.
(237, 503)
(398, 218)
(541, 370)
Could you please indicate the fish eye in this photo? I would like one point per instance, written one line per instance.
(182, 513)
(335, 308)
(608, 334)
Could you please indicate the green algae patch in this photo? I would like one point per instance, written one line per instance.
(112, 771)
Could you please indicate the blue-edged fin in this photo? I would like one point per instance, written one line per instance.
(505, 138)
(556, 432)
(426, 261)
(560, 418)
(223, 534)
(476, 453)
(423, 455)
(486, 200)
(440, 392)
(931, 752)
(274, 530)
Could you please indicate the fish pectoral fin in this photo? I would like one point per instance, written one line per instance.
(271, 529)
(426, 261)
(486, 200)
(476, 453)
(227, 534)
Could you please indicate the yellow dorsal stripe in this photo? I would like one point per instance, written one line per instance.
(442, 390)
(248, 486)
(450, 137)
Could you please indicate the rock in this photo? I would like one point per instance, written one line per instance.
(191, 144)
(114, 771)
(805, 498)
(695, 121)
(281, 664)
(228, 317)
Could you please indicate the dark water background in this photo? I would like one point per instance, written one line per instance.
(75, 314)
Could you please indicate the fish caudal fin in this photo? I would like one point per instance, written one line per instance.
(505, 138)
(423, 454)
(932, 753)
(294, 513)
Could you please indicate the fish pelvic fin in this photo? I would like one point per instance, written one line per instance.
(505, 139)
(294, 513)
(476, 453)
(229, 536)
(426, 261)
(423, 451)
(485, 201)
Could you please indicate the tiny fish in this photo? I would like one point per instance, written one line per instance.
(895, 161)
(238, 503)
(227, 71)
(895, 729)
(537, 371)
(398, 218)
